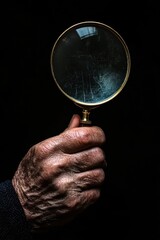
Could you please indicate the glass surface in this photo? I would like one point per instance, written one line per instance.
(90, 63)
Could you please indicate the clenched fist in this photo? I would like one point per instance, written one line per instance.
(61, 176)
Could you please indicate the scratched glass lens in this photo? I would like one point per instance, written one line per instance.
(89, 64)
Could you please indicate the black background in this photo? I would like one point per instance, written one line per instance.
(32, 109)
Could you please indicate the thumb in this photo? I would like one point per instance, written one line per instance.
(74, 122)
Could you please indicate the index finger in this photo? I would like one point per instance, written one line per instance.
(80, 138)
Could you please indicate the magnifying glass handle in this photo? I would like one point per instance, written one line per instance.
(85, 121)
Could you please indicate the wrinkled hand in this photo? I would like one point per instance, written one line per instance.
(61, 176)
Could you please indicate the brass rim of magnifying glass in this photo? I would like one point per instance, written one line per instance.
(88, 106)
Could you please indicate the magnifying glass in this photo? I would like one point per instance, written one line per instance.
(90, 63)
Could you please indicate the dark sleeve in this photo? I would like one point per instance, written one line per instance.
(13, 224)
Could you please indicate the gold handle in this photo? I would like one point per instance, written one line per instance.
(85, 118)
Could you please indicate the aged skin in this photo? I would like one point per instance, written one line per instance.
(61, 176)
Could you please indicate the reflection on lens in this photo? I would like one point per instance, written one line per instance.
(90, 63)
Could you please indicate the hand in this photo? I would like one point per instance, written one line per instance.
(61, 176)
